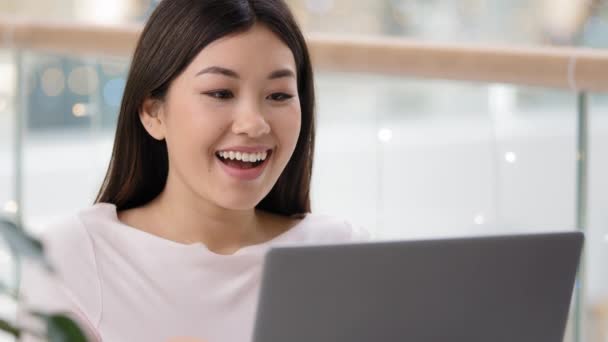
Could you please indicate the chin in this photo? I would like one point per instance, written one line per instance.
(239, 203)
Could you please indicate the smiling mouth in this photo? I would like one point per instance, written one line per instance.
(243, 160)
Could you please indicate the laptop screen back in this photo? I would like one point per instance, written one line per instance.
(501, 288)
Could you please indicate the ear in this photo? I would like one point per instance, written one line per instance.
(151, 115)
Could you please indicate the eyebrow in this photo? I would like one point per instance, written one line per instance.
(233, 74)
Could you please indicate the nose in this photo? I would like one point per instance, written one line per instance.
(250, 121)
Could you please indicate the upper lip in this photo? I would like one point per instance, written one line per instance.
(246, 149)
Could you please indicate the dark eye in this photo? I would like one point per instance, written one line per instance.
(221, 94)
(279, 97)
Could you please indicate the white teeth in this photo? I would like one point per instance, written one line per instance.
(246, 157)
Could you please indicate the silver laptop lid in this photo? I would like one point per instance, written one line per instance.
(498, 288)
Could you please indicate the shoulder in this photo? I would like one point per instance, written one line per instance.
(70, 245)
(67, 236)
(330, 229)
(74, 286)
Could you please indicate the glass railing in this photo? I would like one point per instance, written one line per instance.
(410, 158)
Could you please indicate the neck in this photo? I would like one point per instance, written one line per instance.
(183, 216)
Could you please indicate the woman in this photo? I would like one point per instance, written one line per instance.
(211, 167)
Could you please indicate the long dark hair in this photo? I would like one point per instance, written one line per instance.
(175, 33)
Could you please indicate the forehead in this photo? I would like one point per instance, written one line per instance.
(257, 49)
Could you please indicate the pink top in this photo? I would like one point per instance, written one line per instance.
(124, 284)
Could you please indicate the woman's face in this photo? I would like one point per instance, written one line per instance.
(231, 120)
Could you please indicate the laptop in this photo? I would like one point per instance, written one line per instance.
(514, 288)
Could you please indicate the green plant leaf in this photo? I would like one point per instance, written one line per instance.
(9, 328)
(22, 243)
(61, 328)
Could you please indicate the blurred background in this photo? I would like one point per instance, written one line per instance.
(409, 158)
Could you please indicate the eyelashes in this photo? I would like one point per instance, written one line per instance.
(220, 94)
(279, 97)
(224, 94)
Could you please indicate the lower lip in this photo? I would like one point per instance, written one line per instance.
(244, 174)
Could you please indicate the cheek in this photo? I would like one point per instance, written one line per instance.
(192, 138)
(288, 131)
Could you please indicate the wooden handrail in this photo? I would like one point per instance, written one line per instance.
(577, 69)
(69, 37)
